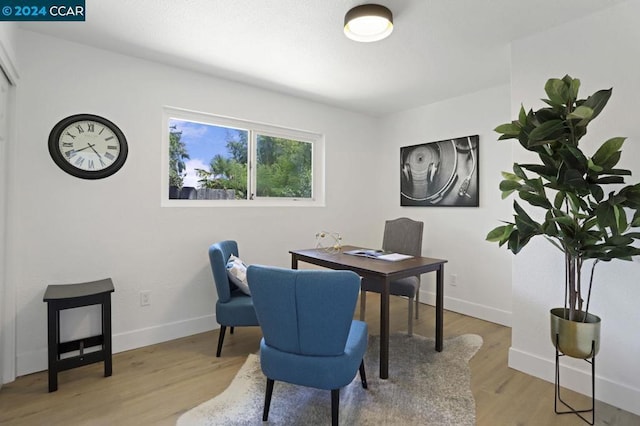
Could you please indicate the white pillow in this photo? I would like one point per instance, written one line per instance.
(237, 271)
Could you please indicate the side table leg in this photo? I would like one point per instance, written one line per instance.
(52, 338)
(106, 334)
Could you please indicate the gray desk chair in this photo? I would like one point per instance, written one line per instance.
(404, 236)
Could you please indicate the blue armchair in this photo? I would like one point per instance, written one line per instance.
(310, 337)
(233, 308)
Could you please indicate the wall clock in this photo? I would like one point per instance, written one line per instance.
(88, 146)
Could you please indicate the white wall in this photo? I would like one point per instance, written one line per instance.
(68, 230)
(483, 270)
(603, 51)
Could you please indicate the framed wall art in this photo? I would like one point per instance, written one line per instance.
(442, 173)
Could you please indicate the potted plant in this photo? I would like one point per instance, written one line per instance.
(585, 221)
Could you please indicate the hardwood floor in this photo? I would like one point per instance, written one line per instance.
(155, 384)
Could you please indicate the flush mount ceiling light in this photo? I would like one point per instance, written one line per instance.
(368, 22)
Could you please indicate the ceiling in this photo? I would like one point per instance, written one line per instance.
(439, 48)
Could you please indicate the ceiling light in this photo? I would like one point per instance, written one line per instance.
(368, 22)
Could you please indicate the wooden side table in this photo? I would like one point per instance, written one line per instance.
(59, 297)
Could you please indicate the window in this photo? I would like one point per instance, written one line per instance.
(212, 160)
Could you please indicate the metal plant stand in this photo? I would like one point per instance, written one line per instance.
(591, 360)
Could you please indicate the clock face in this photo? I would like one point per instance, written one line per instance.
(88, 146)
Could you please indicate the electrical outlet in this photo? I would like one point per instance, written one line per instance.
(453, 279)
(145, 298)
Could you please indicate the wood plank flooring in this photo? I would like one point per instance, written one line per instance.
(155, 384)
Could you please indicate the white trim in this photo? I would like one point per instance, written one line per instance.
(483, 312)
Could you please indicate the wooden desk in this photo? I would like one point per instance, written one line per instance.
(385, 272)
(60, 297)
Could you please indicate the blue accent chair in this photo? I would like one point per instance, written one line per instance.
(233, 308)
(310, 337)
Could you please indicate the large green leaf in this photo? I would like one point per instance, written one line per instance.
(605, 215)
(621, 218)
(505, 137)
(509, 176)
(535, 200)
(544, 131)
(597, 101)
(558, 201)
(593, 167)
(574, 158)
(574, 202)
(534, 185)
(597, 192)
(527, 227)
(514, 242)
(508, 129)
(619, 172)
(611, 161)
(623, 253)
(582, 113)
(546, 114)
(518, 171)
(631, 194)
(522, 116)
(565, 220)
(574, 87)
(572, 178)
(619, 240)
(509, 185)
(610, 179)
(540, 170)
(607, 149)
(500, 234)
(557, 91)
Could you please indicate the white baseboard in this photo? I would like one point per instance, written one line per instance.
(31, 362)
(475, 310)
(616, 394)
(162, 333)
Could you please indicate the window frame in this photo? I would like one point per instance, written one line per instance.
(317, 141)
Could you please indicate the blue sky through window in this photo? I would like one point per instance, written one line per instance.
(202, 142)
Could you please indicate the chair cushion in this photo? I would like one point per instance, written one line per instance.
(321, 372)
(238, 311)
(237, 271)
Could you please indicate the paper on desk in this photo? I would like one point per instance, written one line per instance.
(394, 257)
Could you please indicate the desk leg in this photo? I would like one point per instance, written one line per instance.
(53, 320)
(439, 307)
(294, 261)
(384, 330)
